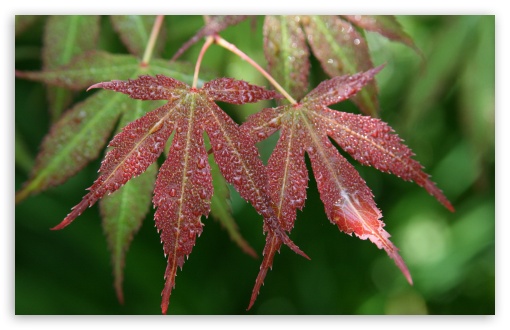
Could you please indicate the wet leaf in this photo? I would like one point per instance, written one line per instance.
(348, 202)
(385, 25)
(183, 189)
(287, 53)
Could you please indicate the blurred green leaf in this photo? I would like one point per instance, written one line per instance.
(221, 210)
(287, 53)
(134, 31)
(74, 140)
(444, 57)
(98, 66)
(385, 25)
(64, 38)
(123, 211)
(342, 50)
(477, 86)
(22, 155)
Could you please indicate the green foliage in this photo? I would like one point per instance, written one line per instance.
(456, 252)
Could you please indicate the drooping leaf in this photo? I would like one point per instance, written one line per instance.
(287, 53)
(338, 46)
(135, 30)
(348, 202)
(385, 25)
(214, 24)
(342, 50)
(63, 40)
(183, 187)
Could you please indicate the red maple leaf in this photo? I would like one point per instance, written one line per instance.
(183, 187)
(307, 127)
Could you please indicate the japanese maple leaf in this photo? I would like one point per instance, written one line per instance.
(183, 187)
(348, 202)
(81, 132)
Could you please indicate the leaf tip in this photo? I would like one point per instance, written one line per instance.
(287, 241)
(98, 85)
(67, 221)
(76, 211)
(377, 69)
(449, 206)
(61, 225)
(120, 295)
(164, 308)
(403, 267)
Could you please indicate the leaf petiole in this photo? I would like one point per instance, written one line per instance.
(208, 43)
(152, 40)
(225, 44)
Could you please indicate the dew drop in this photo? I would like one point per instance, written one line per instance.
(357, 41)
(383, 167)
(237, 180)
(203, 194)
(261, 135)
(349, 149)
(201, 163)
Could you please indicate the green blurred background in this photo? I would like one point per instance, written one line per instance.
(442, 106)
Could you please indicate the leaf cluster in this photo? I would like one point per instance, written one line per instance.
(172, 113)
